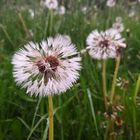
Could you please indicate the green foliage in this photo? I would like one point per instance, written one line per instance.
(78, 114)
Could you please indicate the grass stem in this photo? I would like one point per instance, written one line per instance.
(107, 132)
(136, 89)
(24, 25)
(35, 113)
(51, 22)
(135, 108)
(7, 35)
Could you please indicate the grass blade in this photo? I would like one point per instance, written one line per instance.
(93, 111)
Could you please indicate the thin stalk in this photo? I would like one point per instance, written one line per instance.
(104, 83)
(114, 78)
(124, 92)
(134, 108)
(51, 22)
(24, 25)
(136, 89)
(51, 129)
(7, 35)
(46, 24)
(35, 113)
(92, 111)
(134, 123)
(42, 112)
(45, 134)
(109, 10)
(107, 130)
(62, 131)
(37, 124)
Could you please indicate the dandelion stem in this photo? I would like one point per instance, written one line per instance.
(51, 129)
(110, 123)
(114, 78)
(104, 83)
(50, 101)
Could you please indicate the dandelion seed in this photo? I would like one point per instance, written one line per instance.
(118, 19)
(61, 10)
(122, 83)
(118, 25)
(31, 32)
(84, 9)
(48, 68)
(103, 45)
(111, 3)
(50, 4)
(132, 12)
(31, 12)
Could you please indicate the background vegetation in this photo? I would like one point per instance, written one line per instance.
(79, 113)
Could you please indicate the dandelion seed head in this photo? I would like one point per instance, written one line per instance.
(103, 45)
(118, 19)
(118, 26)
(31, 32)
(61, 10)
(32, 13)
(132, 12)
(50, 4)
(48, 68)
(84, 9)
(111, 3)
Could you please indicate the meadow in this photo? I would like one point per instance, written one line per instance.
(79, 114)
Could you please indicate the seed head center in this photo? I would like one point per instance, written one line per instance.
(104, 43)
(53, 61)
(50, 63)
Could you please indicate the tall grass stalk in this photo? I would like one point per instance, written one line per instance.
(136, 89)
(109, 127)
(7, 35)
(36, 125)
(134, 107)
(36, 109)
(51, 22)
(24, 25)
(93, 111)
(104, 83)
(46, 25)
(51, 127)
(45, 134)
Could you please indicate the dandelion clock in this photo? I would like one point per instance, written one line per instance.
(102, 46)
(47, 68)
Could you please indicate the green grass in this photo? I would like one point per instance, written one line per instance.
(78, 113)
